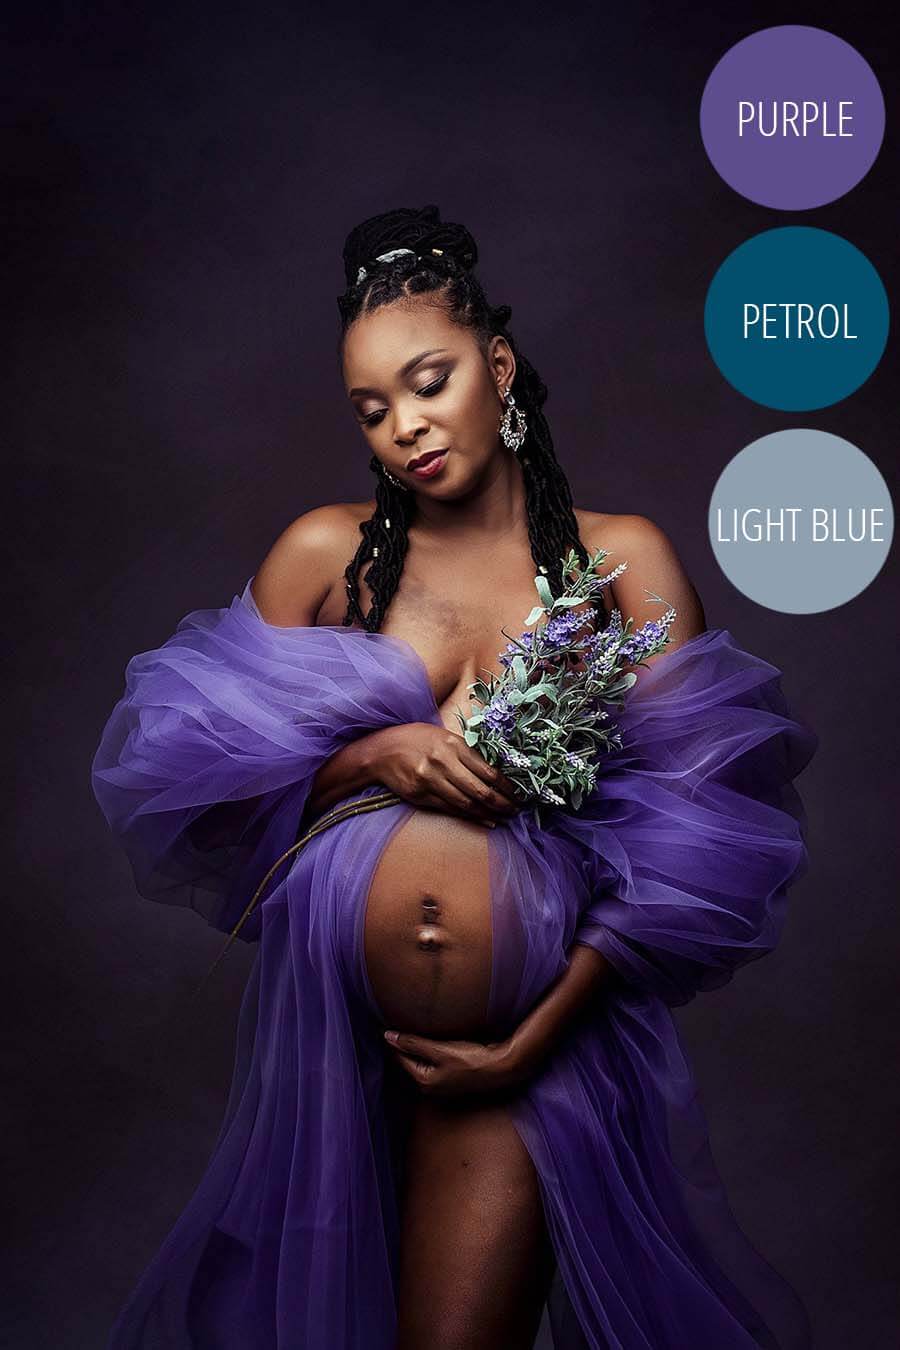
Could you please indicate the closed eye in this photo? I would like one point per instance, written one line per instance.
(429, 391)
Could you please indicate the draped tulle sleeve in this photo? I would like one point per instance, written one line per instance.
(205, 764)
(694, 831)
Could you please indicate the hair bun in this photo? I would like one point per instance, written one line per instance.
(418, 228)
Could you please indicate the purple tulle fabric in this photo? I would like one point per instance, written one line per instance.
(676, 868)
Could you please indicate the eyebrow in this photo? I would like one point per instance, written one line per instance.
(404, 369)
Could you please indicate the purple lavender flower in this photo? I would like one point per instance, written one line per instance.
(561, 629)
(526, 639)
(500, 717)
(604, 643)
(646, 638)
(514, 758)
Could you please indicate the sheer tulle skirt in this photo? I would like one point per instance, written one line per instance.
(677, 869)
(292, 1238)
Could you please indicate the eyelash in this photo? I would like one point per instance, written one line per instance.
(429, 390)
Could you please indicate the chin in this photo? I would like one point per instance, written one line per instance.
(457, 480)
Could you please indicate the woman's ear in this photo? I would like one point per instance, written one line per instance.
(501, 361)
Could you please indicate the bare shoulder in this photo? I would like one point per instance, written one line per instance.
(616, 534)
(654, 569)
(302, 565)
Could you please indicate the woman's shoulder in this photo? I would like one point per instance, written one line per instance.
(654, 567)
(306, 560)
(618, 533)
(326, 526)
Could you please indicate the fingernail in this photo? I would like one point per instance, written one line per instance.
(390, 1036)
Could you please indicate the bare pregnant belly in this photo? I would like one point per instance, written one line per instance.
(428, 927)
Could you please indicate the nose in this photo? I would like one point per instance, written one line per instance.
(410, 423)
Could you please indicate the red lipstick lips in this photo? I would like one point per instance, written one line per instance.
(429, 463)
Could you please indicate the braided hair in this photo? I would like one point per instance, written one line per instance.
(441, 264)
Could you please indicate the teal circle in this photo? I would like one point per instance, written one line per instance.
(801, 521)
(796, 318)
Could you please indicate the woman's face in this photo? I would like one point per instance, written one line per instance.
(418, 382)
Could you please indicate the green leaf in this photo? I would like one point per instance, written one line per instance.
(622, 683)
(542, 586)
(542, 690)
(534, 615)
(472, 738)
(569, 602)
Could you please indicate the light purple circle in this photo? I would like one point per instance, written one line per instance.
(814, 157)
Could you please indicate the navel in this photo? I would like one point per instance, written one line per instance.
(429, 934)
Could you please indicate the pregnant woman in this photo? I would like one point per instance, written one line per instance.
(531, 1135)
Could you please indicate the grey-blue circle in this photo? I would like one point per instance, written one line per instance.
(796, 318)
(801, 521)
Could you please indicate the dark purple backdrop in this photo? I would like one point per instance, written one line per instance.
(183, 183)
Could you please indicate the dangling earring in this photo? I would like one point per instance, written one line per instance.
(512, 437)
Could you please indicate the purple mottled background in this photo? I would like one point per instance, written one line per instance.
(180, 183)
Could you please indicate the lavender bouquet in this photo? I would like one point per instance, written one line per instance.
(545, 722)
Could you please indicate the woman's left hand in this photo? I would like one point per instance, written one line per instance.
(454, 1068)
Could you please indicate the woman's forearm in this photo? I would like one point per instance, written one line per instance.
(348, 770)
(587, 974)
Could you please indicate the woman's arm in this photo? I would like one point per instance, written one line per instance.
(347, 771)
(425, 764)
(573, 994)
(288, 588)
(452, 1068)
(653, 565)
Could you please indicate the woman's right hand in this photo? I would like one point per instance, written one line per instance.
(431, 766)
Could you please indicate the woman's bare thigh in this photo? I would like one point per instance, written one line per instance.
(476, 1261)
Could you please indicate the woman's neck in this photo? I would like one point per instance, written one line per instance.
(494, 508)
